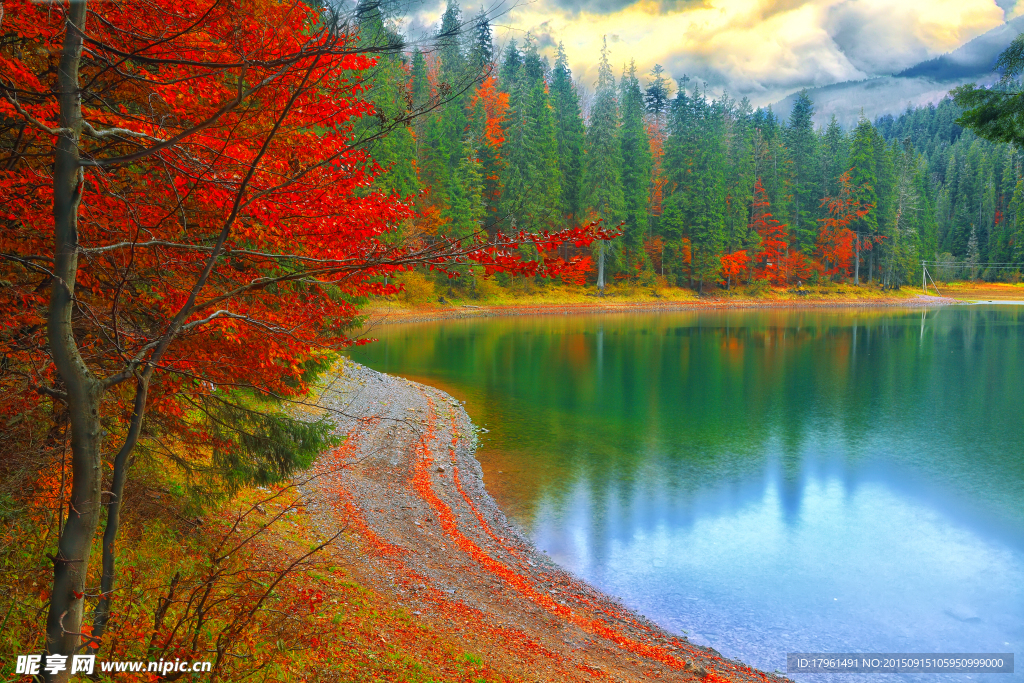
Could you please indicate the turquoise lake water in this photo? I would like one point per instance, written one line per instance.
(764, 481)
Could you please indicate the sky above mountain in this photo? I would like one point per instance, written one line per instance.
(761, 49)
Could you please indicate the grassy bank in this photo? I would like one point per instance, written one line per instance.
(245, 582)
(423, 299)
(419, 290)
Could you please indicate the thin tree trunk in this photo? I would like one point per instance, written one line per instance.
(71, 564)
(113, 523)
(856, 268)
(600, 268)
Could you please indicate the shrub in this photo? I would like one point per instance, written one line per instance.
(759, 287)
(416, 287)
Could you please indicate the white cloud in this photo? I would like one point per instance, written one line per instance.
(763, 49)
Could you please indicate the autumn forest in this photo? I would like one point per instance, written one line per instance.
(198, 203)
(705, 189)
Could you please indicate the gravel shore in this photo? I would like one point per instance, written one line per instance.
(424, 534)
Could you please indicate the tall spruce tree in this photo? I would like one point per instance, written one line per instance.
(801, 144)
(531, 190)
(570, 133)
(511, 67)
(602, 170)
(636, 166)
(658, 93)
(832, 158)
(695, 161)
(481, 52)
(393, 145)
(863, 180)
(771, 159)
(739, 184)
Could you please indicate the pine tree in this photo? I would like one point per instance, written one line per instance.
(771, 159)
(453, 71)
(420, 83)
(531, 190)
(801, 144)
(393, 146)
(636, 164)
(863, 181)
(832, 158)
(602, 170)
(511, 67)
(695, 160)
(570, 133)
(481, 53)
(900, 248)
(740, 179)
(658, 93)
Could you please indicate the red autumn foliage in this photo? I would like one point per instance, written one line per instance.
(655, 249)
(214, 222)
(797, 266)
(835, 239)
(771, 262)
(656, 134)
(495, 107)
(734, 265)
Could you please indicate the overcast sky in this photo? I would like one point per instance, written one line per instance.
(762, 49)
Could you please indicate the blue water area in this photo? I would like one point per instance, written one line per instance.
(763, 482)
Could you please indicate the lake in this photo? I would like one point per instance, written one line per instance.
(763, 481)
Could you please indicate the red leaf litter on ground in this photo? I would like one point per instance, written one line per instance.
(430, 540)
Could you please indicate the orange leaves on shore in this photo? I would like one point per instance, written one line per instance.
(423, 485)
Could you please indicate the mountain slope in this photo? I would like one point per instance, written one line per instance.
(921, 84)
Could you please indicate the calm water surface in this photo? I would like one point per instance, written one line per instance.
(764, 482)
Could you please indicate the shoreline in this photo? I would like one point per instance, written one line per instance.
(424, 533)
(399, 315)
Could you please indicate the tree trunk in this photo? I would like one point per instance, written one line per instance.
(70, 566)
(113, 523)
(856, 268)
(600, 268)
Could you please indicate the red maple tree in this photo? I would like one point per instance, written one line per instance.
(187, 212)
(734, 265)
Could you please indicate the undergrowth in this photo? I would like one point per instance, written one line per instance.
(248, 584)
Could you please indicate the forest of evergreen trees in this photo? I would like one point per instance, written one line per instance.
(706, 191)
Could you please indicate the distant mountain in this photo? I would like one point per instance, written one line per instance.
(921, 84)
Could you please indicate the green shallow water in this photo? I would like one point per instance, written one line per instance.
(764, 481)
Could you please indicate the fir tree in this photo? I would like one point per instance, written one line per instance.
(602, 171)
(658, 93)
(636, 164)
(531, 190)
(695, 160)
(832, 159)
(511, 67)
(739, 178)
(570, 134)
(801, 143)
(481, 53)
(863, 182)
(393, 145)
